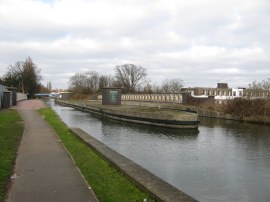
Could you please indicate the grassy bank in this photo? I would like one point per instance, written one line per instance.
(11, 130)
(107, 182)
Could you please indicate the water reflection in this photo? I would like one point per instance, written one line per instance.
(152, 130)
(223, 161)
(243, 153)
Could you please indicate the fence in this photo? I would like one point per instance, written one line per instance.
(166, 98)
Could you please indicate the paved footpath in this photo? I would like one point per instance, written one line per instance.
(44, 171)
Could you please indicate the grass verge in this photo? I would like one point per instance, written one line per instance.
(106, 181)
(11, 130)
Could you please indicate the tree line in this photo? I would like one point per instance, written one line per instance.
(129, 77)
(25, 76)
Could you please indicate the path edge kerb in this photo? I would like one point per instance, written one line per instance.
(153, 185)
(93, 194)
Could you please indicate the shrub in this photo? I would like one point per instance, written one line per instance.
(246, 107)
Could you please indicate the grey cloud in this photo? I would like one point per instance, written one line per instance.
(192, 40)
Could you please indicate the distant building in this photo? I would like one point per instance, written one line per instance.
(222, 85)
(64, 95)
(223, 92)
(197, 95)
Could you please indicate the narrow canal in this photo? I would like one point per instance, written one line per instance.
(223, 161)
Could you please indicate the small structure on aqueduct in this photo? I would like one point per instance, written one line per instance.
(111, 96)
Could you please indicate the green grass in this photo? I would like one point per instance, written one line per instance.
(11, 130)
(106, 181)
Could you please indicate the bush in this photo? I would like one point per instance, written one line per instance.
(246, 107)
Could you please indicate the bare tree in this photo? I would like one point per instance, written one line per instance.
(148, 88)
(130, 76)
(77, 83)
(165, 86)
(84, 83)
(92, 80)
(260, 88)
(31, 77)
(105, 81)
(156, 88)
(25, 76)
(172, 86)
(14, 76)
(260, 85)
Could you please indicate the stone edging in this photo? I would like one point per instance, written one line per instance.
(156, 187)
(185, 121)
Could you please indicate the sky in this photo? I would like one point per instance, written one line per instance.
(202, 42)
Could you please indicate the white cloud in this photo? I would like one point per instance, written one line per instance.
(197, 41)
(225, 71)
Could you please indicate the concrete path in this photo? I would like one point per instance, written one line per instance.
(44, 171)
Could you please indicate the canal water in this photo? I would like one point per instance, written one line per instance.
(222, 161)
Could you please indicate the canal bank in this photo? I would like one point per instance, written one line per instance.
(181, 119)
(202, 112)
(173, 106)
(222, 161)
(156, 187)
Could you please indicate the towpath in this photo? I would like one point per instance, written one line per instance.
(44, 171)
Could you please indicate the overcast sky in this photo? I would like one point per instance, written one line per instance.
(201, 42)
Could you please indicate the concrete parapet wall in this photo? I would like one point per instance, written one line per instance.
(188, 99)
(200, 111)
(156, 187)
(166, 97)
(210, 113)
(155, 117)
(215, 114)
(179, 98)
(161, 115)
(21, 96)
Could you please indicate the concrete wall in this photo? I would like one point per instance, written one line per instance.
(200, 111)
(165, 98)
(21, 96)
(191, 100)
(179, 98)
(163, 118)
(150, 183)
(170, 97)
(65, 95)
